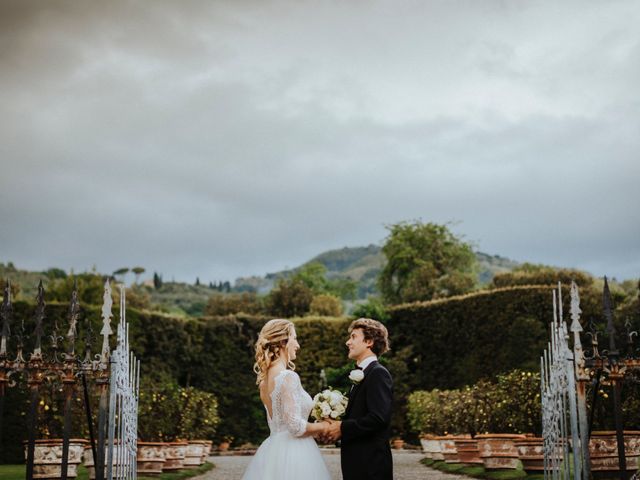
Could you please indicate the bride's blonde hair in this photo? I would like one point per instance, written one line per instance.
(271, 343)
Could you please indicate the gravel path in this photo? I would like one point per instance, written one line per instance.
(406, 466)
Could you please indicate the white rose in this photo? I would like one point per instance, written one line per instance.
(326, 410)
(335, 398)
(356, 375)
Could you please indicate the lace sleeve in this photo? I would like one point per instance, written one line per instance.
(290, 404)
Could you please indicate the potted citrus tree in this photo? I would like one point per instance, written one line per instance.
(198, 421)
(516, 411)
(425, 417)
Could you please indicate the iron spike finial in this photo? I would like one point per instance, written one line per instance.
(88, 340)
(6, 315)
(575, 310)
(39, 317)
(607, 304)
(74, 313)
(106, 324)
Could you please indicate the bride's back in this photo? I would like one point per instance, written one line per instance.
(268, 385)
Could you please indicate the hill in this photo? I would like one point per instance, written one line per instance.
(363, 264)
(360, 264)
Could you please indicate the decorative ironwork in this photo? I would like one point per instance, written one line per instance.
(39, 319)
(583, 367)
(123, 405)
(106, 326)
(559, 405)
(59, 365)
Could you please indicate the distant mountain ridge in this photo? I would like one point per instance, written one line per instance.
(363, 264)
(360, 264)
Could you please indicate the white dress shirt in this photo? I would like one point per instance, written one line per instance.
(367, 361)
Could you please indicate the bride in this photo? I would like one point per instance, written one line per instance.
(290, 452)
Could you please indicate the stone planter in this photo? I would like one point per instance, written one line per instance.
(90, 466)
(424, 441)
(468, 452)
(150, 458)
(433, 449)
(207, 450)
(47, 459)
(498, 451)
(603, 450)
(531, 453)
(174, 454)
(195, 453)
(448, 448)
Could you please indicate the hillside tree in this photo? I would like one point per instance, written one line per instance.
(137, 271)
(425, 261)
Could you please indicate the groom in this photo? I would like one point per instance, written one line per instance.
(365, 453)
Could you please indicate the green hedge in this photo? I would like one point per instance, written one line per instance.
(211, 354)
(440, 344)
(454, 342)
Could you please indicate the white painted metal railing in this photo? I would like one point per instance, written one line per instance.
(123, 404)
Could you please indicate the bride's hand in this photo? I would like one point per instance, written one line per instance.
(321, 432)
(333, 431)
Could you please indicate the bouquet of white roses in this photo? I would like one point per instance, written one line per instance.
(329, 404)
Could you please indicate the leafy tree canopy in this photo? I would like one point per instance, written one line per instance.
(314, 276)
(425, 261)
(291, 298)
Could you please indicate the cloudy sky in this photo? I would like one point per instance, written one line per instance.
(227, 138)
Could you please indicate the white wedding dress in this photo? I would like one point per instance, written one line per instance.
(287, 454)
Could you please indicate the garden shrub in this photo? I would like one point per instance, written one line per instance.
(167, 412)
(453, 342)
(511, 404)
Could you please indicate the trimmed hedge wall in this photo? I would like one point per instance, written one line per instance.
(211, 354)
(459, 340)
(453, 342)
(446, 343)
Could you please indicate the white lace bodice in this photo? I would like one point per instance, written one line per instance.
(290, 405)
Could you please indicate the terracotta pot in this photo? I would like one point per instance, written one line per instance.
(150, 458)
(398, 443)
(498, 450)
(224, 446)
(47, 459)
(174, 454)
(448, 448)
(194, 456)
(468, 452)
(603, 449)
(531, 453)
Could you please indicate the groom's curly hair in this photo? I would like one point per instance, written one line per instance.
(374, 331)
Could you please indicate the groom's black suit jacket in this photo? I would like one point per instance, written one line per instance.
(365, 453)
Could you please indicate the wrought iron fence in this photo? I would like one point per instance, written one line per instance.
(61, 365)
(566, 374)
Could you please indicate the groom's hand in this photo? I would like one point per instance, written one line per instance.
(333, 431)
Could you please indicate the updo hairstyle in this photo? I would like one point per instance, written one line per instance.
(271, 343)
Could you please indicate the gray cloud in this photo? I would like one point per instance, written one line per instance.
(228, 138)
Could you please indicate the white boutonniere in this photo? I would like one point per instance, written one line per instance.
(356, 376)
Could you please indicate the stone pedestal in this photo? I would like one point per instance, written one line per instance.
(47, 462)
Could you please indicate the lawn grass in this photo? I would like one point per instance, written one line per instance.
(478, 471)
(18, 472)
